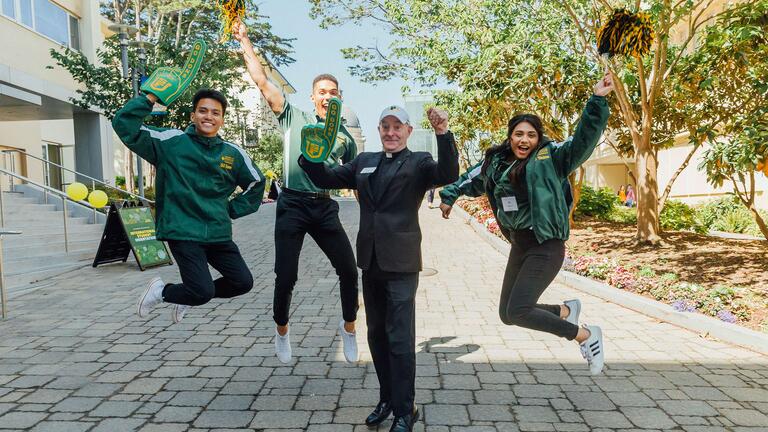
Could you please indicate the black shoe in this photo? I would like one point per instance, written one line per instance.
(379, 414)
(406, 422)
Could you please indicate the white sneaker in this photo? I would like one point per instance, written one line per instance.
(283, 346)
(349, 341)
(178, 311)
(593, 350)
(575, 309)
(152, 297)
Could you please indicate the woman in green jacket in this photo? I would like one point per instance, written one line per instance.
(526, 181)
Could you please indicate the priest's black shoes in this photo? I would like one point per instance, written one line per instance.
(406, 422)
(379, 414)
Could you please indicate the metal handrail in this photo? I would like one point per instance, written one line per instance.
(64, 199)
(92, 179)
(3, 295)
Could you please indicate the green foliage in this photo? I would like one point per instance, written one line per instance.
(598, 203)
(709, 212)
(268, 154)
(678, 216)
(728, 214)
(646, 272)
(105, 89)
(624, 215)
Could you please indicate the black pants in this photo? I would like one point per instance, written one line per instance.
(297, 216)
(530, 270)
(390, 310)
(198, 287)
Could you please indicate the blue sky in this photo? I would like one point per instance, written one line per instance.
(317, 51)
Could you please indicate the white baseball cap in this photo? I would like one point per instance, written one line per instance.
(397, 112)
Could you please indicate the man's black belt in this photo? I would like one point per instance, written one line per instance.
(313, 195)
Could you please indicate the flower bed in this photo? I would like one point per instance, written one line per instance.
(733, 304)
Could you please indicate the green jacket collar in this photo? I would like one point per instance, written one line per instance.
(206, 141)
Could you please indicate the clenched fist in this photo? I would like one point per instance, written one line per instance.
(438, 119)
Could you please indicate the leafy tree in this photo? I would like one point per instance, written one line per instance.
(731, 64)
(268, 154)
(530, 56)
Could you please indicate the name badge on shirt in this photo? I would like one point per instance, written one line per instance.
(368, 170)
(509, 203)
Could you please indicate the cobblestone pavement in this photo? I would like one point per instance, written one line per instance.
(74, 356)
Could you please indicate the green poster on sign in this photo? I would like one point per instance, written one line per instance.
(131, 227)
(140, 228)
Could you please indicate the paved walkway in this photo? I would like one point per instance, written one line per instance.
(74, 356)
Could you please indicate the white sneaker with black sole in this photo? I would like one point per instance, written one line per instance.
(152, 297)
(178, 311)
(574, 306)
(593, 350)
(283, 346)
(349, 343)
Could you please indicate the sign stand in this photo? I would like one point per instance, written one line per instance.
(130, 227)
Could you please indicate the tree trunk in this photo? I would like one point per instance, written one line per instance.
(129, 171)
(647, 192)
(760, 221)
(576, 188)
(668, 189)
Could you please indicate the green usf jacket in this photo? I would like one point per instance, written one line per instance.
(546, 180)
(196, 176)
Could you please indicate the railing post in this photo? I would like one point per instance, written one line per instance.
(2, 208)
(93, 188)
(66, 234)
(3, 294)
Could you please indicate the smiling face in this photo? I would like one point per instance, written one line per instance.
(394, 134)
(208, 117)
(322, 92)
(523, 140)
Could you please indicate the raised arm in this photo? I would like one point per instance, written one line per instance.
(325, 177)
(271, 93)
(594, 118)
(128, 123)
(446, 169)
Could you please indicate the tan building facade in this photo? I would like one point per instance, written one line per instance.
(36, 114)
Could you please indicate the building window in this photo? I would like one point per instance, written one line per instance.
(51, 21)
(9, 8)
(26, 12)
(46, 18)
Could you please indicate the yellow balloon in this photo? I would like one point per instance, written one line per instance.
(77, 191)
(98, 199)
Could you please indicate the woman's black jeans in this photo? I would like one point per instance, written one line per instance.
(530, 269)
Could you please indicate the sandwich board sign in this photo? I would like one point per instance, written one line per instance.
(130, 228)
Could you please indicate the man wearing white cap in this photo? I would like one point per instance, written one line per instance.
(391, 185)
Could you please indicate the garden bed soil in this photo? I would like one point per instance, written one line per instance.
(695, 258)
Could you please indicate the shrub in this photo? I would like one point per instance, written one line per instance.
(624, 215)
(598, 203)
(678, 216)
(711, 211)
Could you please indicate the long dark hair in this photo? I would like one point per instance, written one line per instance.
(518, 171)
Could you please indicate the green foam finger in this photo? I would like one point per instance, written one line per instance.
(193, 63)
(332, 120)
(191, 67)
(314, 145)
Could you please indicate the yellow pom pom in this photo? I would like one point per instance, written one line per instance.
(77, 191)
(98, 199)
(231, 11)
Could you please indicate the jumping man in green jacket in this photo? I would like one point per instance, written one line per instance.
(525, 179)
(197, 172)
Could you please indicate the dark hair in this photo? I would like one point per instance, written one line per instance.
(325, 77)
(209, 94)
(518, 171)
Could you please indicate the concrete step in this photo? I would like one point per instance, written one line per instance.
(26, 251)
(11, 244)
(41, 221)
(21, 280)
(14, 208)
(27, 264)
